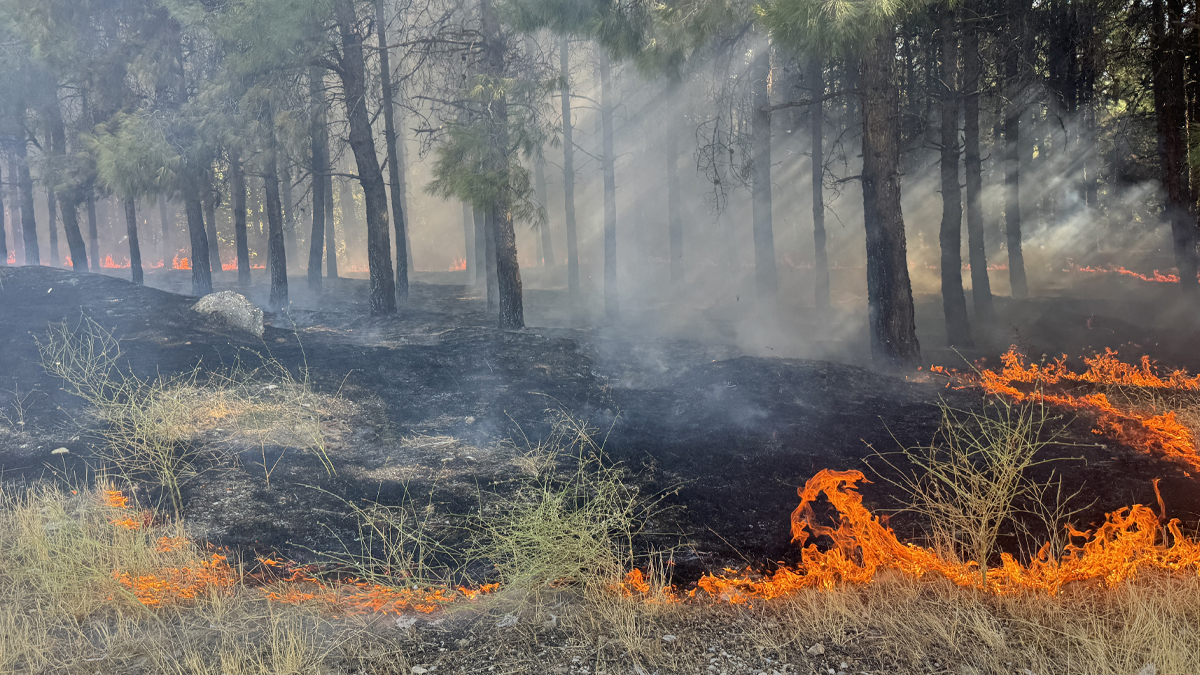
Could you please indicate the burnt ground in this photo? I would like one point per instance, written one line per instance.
(437, 390)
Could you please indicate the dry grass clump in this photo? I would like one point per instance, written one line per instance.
(159, 428)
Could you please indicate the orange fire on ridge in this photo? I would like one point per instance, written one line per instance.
(1055, 383)
(1158, 277)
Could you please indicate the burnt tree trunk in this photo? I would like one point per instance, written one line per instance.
(276, 248)
(765, 274)
(237, 185)
(210, 229)
(14, 210)
(168, 251)
(68, 200)
(201, 273)
(954, 300)
(481, 251)
(52, 221)
(352, 69)
(889, 291)
(93, 227)
(33, 255)
(1170, 105)
(611, 304)
(1012, 156)
(395, 178)
(981, 285)
(674, 206)
(289, 208)
(499, 215)
(320, 166)
(331, 261)
(489, 236)
(569, 171)
(816, 84)
(135, 247)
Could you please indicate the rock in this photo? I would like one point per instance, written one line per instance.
(418, 670)
(816, 650)
(669, 638)
(234, 309)
(59, 451)
(1147, 669)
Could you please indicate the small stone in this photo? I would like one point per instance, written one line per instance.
(816, 650)
(469, 420)
(418, 670)
(59, 451)
(669, 638)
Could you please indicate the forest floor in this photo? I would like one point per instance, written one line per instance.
(436, 405)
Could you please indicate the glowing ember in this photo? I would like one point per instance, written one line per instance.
(1056, 384)
(12, 258)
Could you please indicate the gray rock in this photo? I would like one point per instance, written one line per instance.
(234, 309)
(816, 650)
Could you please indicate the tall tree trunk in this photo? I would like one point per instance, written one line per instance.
(816, 84)
(93, 231)
(764, 238)
(349, 220)
(382, 295)
(52, 220)
(611, 305)
(210, 229)
(469, 243)
(168, 251)
(289, 208)
(489, 235)
(201, 272)
(3, 234)
(954, 300)
(395, 177)
(482, 275)
(276, 250)
(1012, 154)
(320, 166)
(499, 216)
(331, 261)
(674, 205)
(1170, 106)
(568, 171)
(135, 247)
(237, 186)
(33, 255)
(68, 200)
(889, 291)
(14, 209)
(539, 183)
(981, 285)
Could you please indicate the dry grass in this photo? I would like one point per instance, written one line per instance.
(168, 429)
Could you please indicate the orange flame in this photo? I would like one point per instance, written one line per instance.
(12, 257)
(459, 264)
(110, 264)
(1158, 277)
(178, 263)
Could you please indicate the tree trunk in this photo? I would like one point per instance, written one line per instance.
(765, 275)
(674, 206)
(168, 251)
(981, 285)
(52, 218)
(210, 229)
(68, 201)
(93, 231)
(500, 224)
(539, 182)
(276, 250)
(382, 295)
(289, 209)
(135, 247)
(3, 234)
(816, 84)
(201, 272)
(489, 236)
(469, 243)
(14, 210)
(1012, 158)
(954, 300)
(33, 254)
(237, 185)
(1170, 106)
(349, 220)
(611, 305)
(320, 167)
(394, 171)
(569, 172)
(889, 291)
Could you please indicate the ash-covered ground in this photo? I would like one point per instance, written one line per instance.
(440, 403)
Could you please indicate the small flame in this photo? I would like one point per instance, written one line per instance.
(12, 258)
(178, 263)
(458, 265)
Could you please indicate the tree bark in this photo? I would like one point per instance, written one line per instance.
(489, 235)
(569, 172)
(33, 255)
(210, 229)
(320, 166)
(237, 185)
(482, 276)
(766, 276)
(954, 300)
(168, 251)
(289, 208)
(395, 178)
(331, 261)
(201, 272)
(276, 249)
(611, 304)
(981, 285)
(674, 205)
(1012, 156)
(500, 224)
(889, 290)
(1170, 104)
(816, 84)
(382, 294)
(52, 221)
(14, 210)
(68, 199)
(135, 247)
(93, 231)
